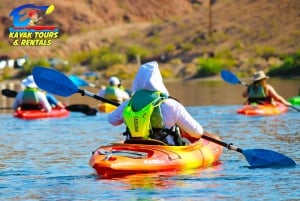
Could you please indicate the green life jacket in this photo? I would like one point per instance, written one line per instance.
(257, 94)
(30, 100)
(143, 113)
(30, 96)
(110, 93)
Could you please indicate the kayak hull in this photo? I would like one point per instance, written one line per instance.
(294, 100)
(106, 107)
(120, 159)
(263, 109)
(38, 114)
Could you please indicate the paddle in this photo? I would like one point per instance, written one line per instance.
(258, 158)
(73, 108)
(9, 93)
(80, 82)
(61, 85)
(49, 10)
(233, 79)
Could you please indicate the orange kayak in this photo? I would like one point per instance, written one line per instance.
(106, 107)
(39, 114)
(145, 156)
(263, 109)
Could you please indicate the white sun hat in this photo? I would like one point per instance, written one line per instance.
(114, 81)
(259, 76)
(29, 82)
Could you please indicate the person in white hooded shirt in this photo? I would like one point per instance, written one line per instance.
(173, 113)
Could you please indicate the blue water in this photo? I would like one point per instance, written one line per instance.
(48, 160)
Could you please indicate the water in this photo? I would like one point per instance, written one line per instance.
(48, 160)
(198, 92)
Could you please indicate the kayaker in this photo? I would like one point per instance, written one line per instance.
(260, 92)
(114, 91)
(31, 97)
(151, 113)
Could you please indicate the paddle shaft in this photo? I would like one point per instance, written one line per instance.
(84, 92)
(244, 83)
(293, 107)
(224, 144)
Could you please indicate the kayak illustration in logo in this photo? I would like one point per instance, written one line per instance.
(27, 29)
(32, 17)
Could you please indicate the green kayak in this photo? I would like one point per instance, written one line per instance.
(294, 100)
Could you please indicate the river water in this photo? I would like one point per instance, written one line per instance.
(48, 159)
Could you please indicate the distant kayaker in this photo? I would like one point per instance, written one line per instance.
(151, 113)
(31, 98)
(114, 91)
(260, 92)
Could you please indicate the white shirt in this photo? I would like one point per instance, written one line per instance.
(42, 99)
(172, 113)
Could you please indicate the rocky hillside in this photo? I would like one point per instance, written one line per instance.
(254, 31)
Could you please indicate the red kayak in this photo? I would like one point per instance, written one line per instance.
(39, 114)
(263, 109)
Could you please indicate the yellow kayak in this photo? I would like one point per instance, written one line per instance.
(106, 107)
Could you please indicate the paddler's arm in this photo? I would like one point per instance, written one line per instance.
(18, 101)
(272, 92)
(43, 101)
(116, 117)
(176, 114)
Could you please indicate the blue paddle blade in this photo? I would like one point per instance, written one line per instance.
(229, 77)
(78, 81)
(259, 158)
(53, 81)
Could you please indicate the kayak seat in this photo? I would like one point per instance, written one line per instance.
(144, 141)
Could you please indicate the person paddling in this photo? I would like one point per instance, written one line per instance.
(114, 91)
(151, 114)
(260, 92)
(31, 98)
